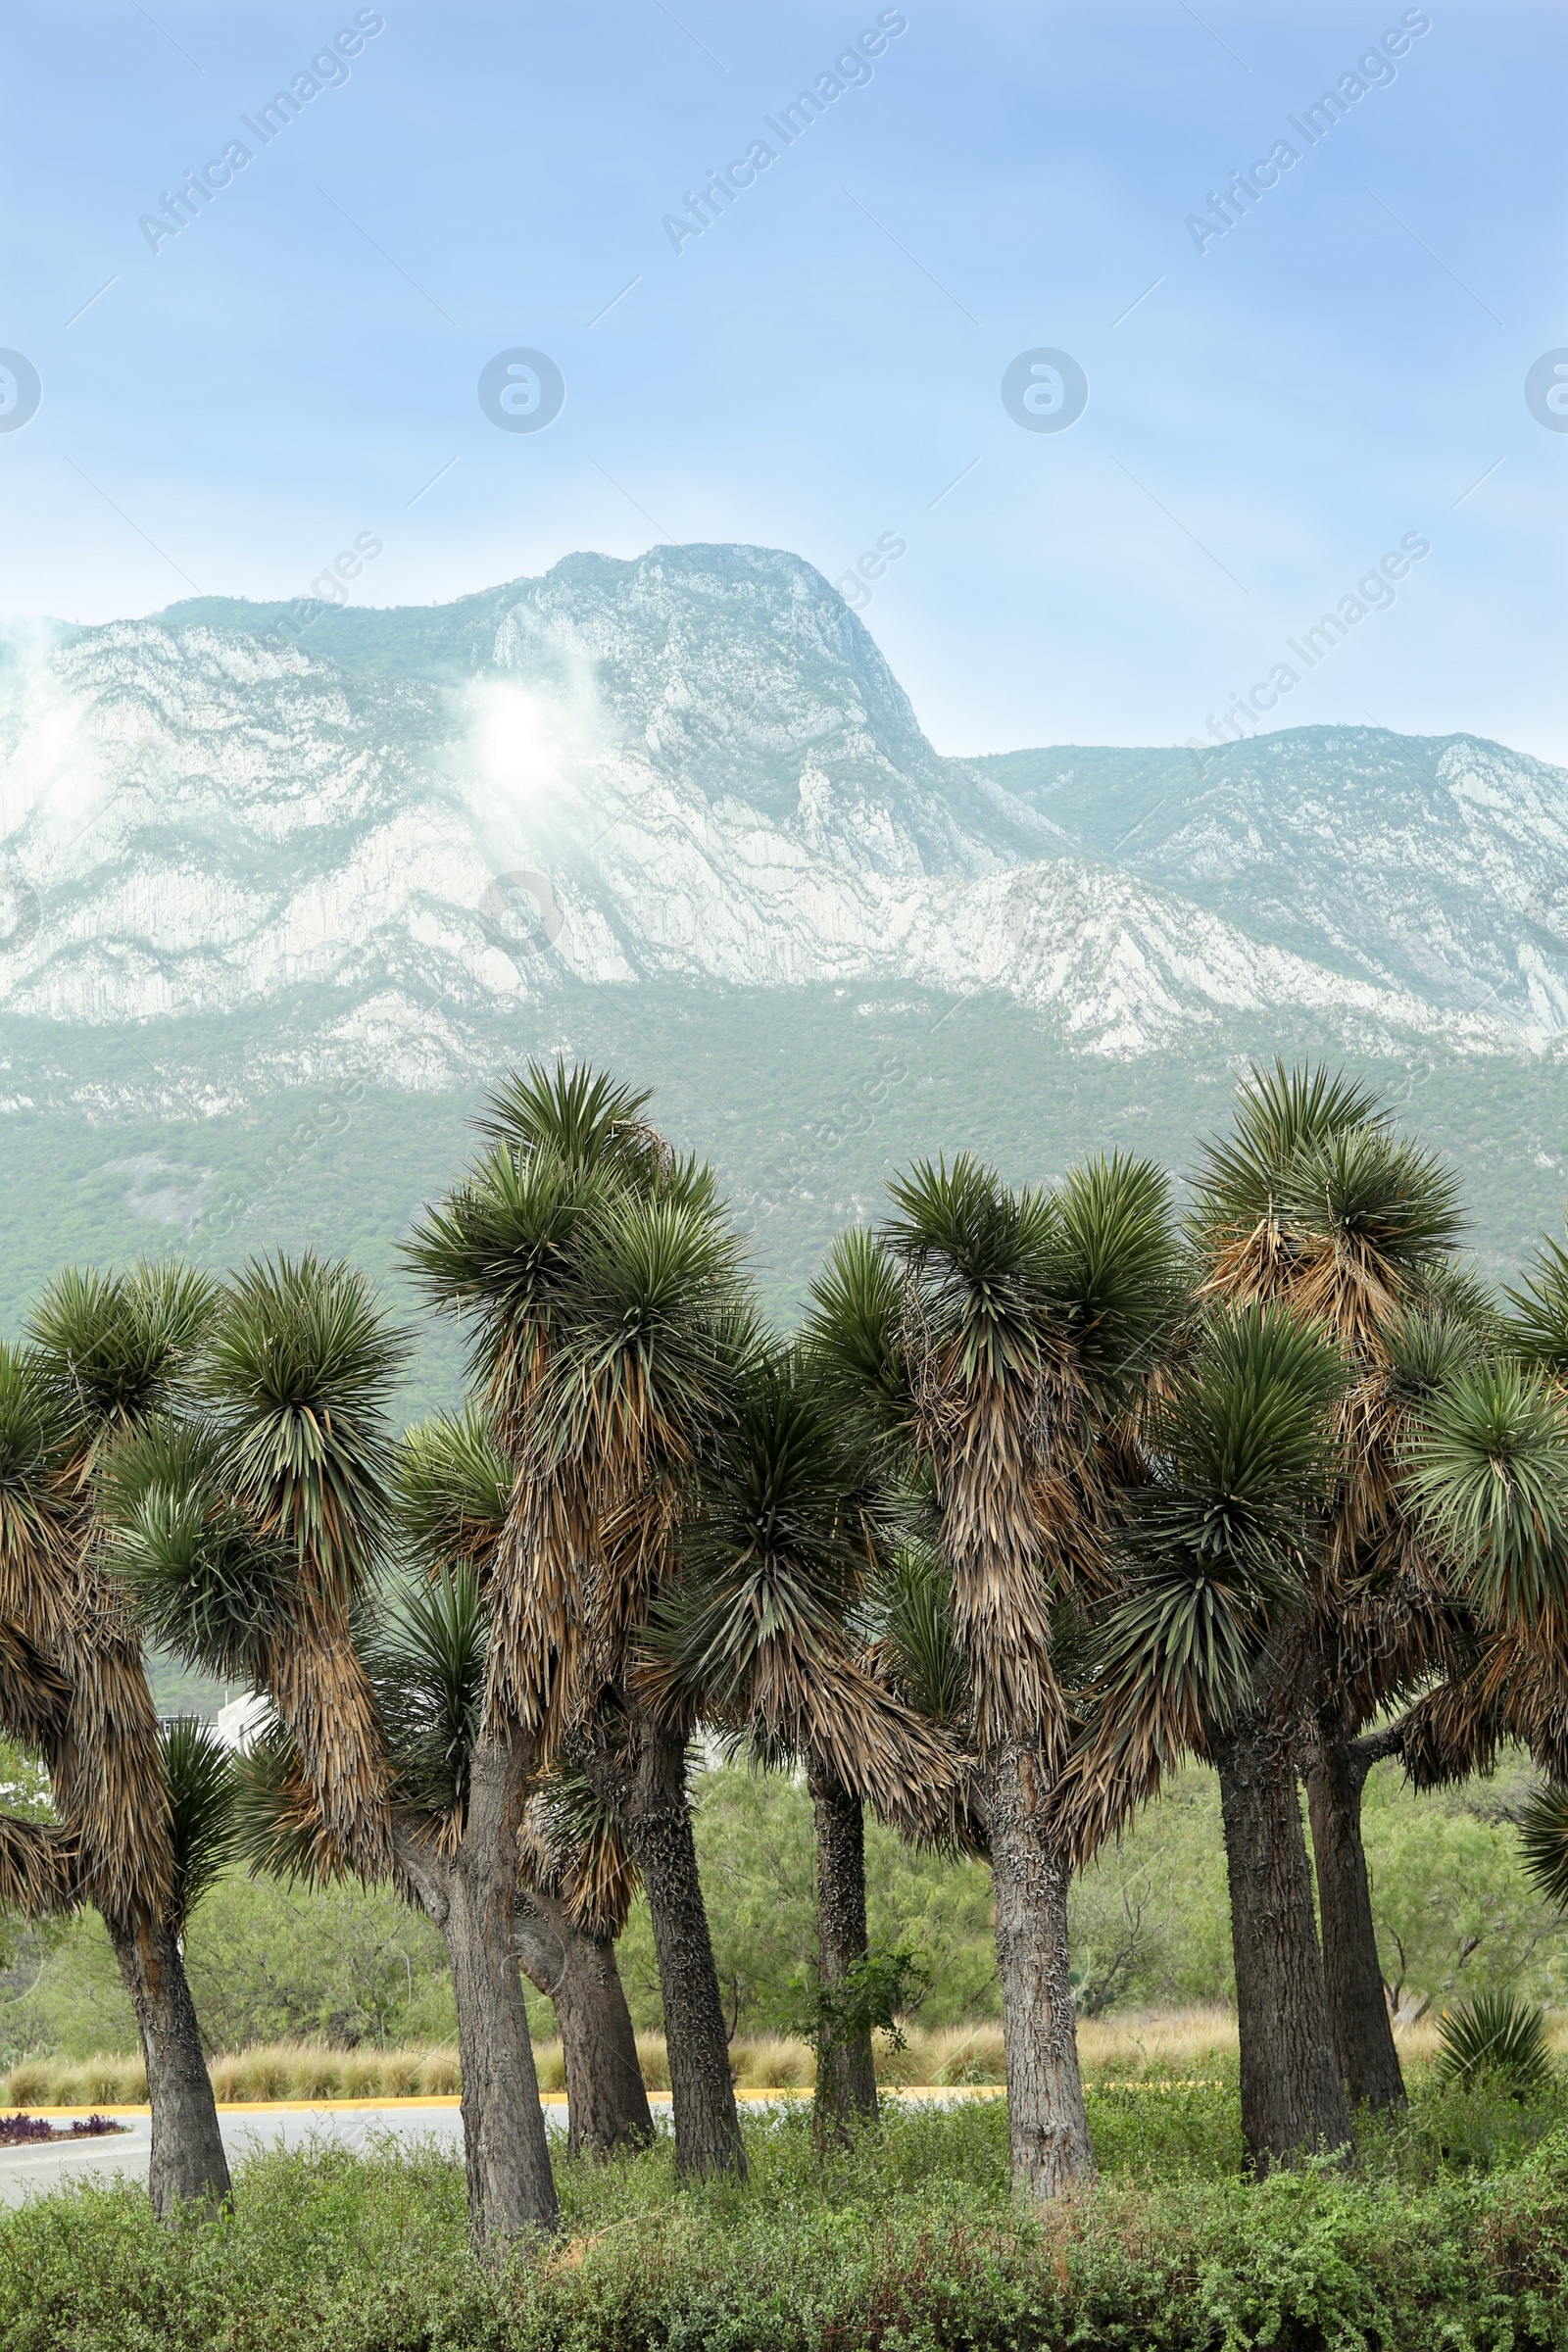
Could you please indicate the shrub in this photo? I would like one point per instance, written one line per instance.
(1493, 2035)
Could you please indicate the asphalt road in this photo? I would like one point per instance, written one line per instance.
(35, 2171)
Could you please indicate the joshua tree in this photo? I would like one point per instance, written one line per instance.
(1491, 1470)
(108, 1352)
(995, 1336)
(452, 1487)
(252, 1537)
(1217, 1553)
(756, 1635)
(610, 1329)
(1316, 1202)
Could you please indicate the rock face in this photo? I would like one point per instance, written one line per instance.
(284, 841)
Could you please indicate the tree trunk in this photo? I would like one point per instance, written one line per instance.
(188, 2161)
(469, 1894)
(846, 2077)
(1293, 2102)
(656, 1822)
(1363, 2035)
(1046, 2128)
(607, 2101)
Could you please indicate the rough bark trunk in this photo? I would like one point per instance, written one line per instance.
(469, 1894)
(607, 2101)
(1293, 2102)
(654, 1818)
(188, 2160)
(1363, 2035)
(1046, 2128)
(846, 2076)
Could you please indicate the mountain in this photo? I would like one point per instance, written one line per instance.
(1437, 865)
(386, 829)
(678, 811)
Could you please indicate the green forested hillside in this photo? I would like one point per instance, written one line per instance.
(805, 1100)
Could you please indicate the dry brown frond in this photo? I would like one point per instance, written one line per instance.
(1133, 1739)
(40, 1868)
(1250, 1265)
(536, 1604)
(589, 1871)
(1524, 1676)
(1450, 1732)
(323, 1698)
(983, 1437)
(35, 1695)
(106, 1770)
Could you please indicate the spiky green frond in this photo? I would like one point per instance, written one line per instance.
(1457, 1292)
(1117, 1273)
(166, 1449)
(774, 1552)
(1491, 1475)
(1498, 2034)
(302, 1369)
(1427, 1351)
(1280, 1115)
(855, 1328)
(426, 1664)
(1244, 1444)
(202, 1580)
(452, 1484)
(1242, 1454)
(908, 1622)
(122, 1344)
(646, 1339)
(1543, 1839)
(202, 1796)
(582, 1117)
(985, 1257)
(499, 1246)
(1376, 1193)
(277, 1823)
(1536, 1323)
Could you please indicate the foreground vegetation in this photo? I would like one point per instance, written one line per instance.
(1450, 2228)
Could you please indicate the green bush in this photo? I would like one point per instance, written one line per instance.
(1494, 2035)
(908, 2243)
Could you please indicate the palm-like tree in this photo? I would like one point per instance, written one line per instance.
(757, 1635)
(107, 1353)
(453, 1488)
(993, 1336)
(1217, 1553)
(1314, 1200)
(1490, 1470)
(252, 1537)
(610, 1325)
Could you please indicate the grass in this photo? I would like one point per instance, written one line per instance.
(1182, 2046)
(312, 2070)
(1450, 2230)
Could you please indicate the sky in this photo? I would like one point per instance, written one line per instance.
(1251, 419)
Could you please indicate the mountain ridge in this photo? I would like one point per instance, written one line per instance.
(377, 832)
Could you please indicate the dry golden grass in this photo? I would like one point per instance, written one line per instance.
(1179, 2045)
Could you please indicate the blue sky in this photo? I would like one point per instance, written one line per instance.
(1335, 373)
